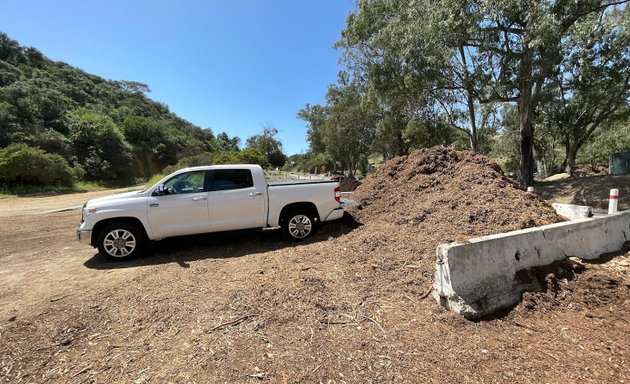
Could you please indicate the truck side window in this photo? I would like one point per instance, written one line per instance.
(225, 179)
(189, 182)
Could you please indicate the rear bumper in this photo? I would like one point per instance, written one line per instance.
(84, 236)
(335, 214)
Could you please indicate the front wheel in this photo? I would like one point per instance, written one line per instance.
(298, 225)
(120, 241)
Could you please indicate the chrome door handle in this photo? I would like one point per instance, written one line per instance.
(200, 198)
(255, 194)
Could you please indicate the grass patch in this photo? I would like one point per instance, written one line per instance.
(14, 189)
(154, 179)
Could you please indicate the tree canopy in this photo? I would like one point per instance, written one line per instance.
(466, 73)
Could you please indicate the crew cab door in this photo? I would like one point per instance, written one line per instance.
(182, 209)
(235, 202)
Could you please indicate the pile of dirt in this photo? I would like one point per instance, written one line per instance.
(445, 191)
(348, 184)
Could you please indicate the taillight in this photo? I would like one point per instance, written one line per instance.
(338, 194)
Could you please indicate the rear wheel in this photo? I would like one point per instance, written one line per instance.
(298, 225)
(120, 241)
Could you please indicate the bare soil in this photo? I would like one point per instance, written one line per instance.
(592, 191)
(349, 305)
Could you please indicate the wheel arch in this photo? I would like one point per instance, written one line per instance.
(301, 206)
(98, 227)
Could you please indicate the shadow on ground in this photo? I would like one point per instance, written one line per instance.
(591, 190)
(184, 249)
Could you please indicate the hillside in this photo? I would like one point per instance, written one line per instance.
(61, 119)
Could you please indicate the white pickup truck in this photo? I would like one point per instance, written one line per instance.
(206, 199)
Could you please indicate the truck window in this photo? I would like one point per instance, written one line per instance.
(189, 182)
(225, 179)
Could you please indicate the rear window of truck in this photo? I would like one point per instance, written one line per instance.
(226, 179)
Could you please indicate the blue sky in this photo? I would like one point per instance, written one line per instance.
(228, 65)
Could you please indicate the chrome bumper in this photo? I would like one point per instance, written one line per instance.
(84, 236)
(335, 214)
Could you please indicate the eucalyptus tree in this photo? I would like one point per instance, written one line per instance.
(315, 116)
(459, 54)
(268, 145)
(419, 72)
(592, 83)
(348, 132)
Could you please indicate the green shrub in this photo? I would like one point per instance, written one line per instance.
(99, 145)
(246, 156)
(155, 179)
(20, 163)
(253, 156)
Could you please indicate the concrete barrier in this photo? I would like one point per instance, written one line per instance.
(572, 211)
(490, 273)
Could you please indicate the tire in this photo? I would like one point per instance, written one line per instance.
(121, 241)
(298, 225)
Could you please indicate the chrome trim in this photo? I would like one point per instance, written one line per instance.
(84, 236)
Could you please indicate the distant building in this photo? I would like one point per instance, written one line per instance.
(619, 163)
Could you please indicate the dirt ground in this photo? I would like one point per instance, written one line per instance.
(346, 306)
(592, 191)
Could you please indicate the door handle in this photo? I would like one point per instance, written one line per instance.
(255, 194)
(200, 198)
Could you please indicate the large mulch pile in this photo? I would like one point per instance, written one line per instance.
(459, 194)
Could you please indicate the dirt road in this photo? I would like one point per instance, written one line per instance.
(340, 308)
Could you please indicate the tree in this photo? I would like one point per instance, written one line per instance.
(349, 129)
(225, 144)
(99, 146)
(610, 137)
(315, 117)
(268, 145)
(414, 77)
(501, 51)
(132, 86)
(593, 81)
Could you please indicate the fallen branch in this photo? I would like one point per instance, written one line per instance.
(337, 322)
(59, 298)
(375, 322)
(234, 322)
(428, 292)
(522, 325)
(81, 371)
(550, 355)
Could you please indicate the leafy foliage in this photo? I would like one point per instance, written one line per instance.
(20, 163)
(609, 138)
(246, 156)
(447, 72)
(110, 129)
(269, 146)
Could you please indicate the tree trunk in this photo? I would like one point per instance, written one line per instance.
(526, 113)
(541, 164)
(572, 150)
(473, 124)
(471, 104)
(351, 168)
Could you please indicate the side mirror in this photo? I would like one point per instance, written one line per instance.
(161, 190)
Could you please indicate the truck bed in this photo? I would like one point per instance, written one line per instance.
(298, 182)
